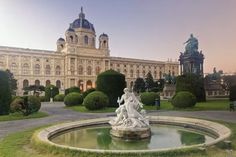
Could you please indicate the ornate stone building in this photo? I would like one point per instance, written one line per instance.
(77, 61)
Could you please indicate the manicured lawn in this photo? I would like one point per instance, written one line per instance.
(19, 116)
(18, 145)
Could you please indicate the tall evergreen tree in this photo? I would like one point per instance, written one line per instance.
(12, 82)
(149, 82)
(139, 85)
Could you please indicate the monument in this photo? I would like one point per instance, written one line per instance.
(131, 121)
(191, 61)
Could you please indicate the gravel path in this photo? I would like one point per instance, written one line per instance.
(59, 114)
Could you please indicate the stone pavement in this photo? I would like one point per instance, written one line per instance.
(58, 114)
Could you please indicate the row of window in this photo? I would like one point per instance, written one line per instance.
(88, 70)
(37, 83)
(74, 39)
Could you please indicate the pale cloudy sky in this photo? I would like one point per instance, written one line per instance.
(146, 29)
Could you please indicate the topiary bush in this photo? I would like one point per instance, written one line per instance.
(26, 105)
(5, 93)
(148, 98)
(112, 84)
(50, 92)
(72, 89)
(73, 99)
(42, 98)
(59, 97)
(183, 100)
(96, 100)
(85, 93)
(232, 93)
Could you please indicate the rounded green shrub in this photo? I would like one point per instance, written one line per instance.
(42, 98)
(148, 98)
(17, 104)
(112, 84)
(72, 89)
(96, 100)
(232, 93)
(73, 99)
(34, 103)
(183, 100)
(5, 93)
(50, 92)
(85, 93)
(59, 97)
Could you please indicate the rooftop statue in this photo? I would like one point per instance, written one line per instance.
(130, 114)
(191, 44)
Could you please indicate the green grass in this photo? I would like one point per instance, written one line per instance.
(19, 145)
(19, 116)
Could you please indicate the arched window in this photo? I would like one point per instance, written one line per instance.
(86, 40)
(125, 72)
(47, 70)
(155, 74)
(93, 40)
(58, 70)
(80, 70)
(48, 82)
(37, 69)
(81, 85)
(97, 70)
(14, 68)
(131, 73)
(25, 83)
(144, 73)
(137, 73)
(160, 74)
(89, 84)
(37, 83)
(71, 38)
(131, 84)
(89, 70)
(58, 84)
(25, 69)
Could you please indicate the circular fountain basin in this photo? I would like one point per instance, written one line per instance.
(168, 133)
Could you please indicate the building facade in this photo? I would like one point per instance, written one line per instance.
(77, 61)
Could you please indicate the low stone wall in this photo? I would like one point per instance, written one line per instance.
(218, 130)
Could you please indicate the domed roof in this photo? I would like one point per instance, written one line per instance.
(70, 30)
(103, 35)
(81, 22)
(60, 39)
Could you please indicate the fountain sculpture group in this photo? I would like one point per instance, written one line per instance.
(131, 121)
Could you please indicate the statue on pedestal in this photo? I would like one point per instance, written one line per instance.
(191, 44)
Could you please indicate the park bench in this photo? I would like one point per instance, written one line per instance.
(232, 105)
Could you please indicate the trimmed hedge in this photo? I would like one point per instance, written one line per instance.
(59, 97)
(112, 84)
(232, 93)
(96, 100)
(42, 98)
(183, 100)
(73, 99)
(148, 98)
(72, 89)
(5, 93)
(51, 93)
(88, 91)
(26, 105)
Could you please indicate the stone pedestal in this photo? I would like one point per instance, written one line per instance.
(130, 133)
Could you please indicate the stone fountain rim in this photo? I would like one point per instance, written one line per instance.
(213, 128)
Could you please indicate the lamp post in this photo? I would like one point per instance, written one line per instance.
(51, 98)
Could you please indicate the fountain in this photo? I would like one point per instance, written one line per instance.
(131, 121)
(132, 132)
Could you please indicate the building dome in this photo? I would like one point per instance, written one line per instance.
(70, 30)
(81, 22)
(60, 39)
(103, 35)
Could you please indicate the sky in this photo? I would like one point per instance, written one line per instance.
(144, 29)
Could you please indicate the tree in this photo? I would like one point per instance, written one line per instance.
(228, 81)
(139, 85)
(112, 84)
(149, 83)
(50, 92)
(192, 83)
(36, 89)
(12, 82)
(5, 93)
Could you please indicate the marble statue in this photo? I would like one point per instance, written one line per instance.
(191, 44)
(130, 114)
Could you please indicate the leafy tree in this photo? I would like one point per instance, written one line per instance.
(139, 85)
(5, 93)
(50, 92)
(12, 82)
(228, 81)
(72, 89)
(192, 83)
(149, 82)
(36, 89)
(112, 84)
(232, 93)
